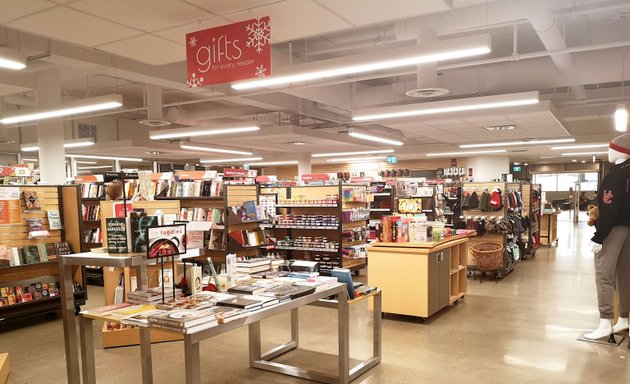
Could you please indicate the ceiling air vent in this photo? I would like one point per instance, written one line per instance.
(496, 128)
(426, 93)
(154, 123)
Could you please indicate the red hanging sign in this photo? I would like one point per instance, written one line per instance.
(229, 53)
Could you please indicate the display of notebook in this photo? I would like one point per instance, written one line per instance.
(31, 200)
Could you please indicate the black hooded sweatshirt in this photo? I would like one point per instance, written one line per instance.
(613, 200)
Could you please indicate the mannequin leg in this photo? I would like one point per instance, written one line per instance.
(623, 287)
(605, 267)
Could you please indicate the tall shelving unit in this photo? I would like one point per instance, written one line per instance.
(17, 235)
(312, 202)
(532, 206)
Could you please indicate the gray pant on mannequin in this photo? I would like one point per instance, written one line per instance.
(613, 261)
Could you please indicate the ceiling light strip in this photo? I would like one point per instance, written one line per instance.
(355, 159)
(75, 143)
(212, 149)
(67, 108)
(378, 139)
(375, 61)
(12, 59)
(584, 153)
(135, 159)
(221, 161)
(333, 154)
(222, 129)
(448, 106)
(463, 153)
(580, 146)
(286, 162)
(518, 143)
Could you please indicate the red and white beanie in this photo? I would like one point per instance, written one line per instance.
(621, 144)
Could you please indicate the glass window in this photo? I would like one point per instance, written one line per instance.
(547, 181)
(589, 181)
(567, 180)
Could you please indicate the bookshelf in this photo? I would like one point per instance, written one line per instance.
(40, 278)
(323, 223)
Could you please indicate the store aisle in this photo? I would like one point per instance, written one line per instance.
(521, 330)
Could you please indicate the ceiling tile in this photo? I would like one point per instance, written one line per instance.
(148, 49)
(146, 15)
(222, 7)
(294, 19)
(178, 34)
(72, 26)
(360, 12)
(13, 9)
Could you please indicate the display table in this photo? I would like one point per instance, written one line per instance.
(66, 262)
(419, 279)
(5, 368)
(549, 228)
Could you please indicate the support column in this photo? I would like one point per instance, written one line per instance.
(486, 168)
(50, 132)
(73, 167)
(304, 164)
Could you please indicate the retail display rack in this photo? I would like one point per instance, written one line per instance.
(474, 216)
(532, 207)
(323, 223)
(29, 286)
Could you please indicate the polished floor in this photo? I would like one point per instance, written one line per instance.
(522, 330)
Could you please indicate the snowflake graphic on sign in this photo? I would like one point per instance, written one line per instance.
(258, 34)
(194, 81)
(193, 41)
(261, 71)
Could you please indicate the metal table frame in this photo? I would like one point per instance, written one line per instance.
(257, 359)
(66, 262)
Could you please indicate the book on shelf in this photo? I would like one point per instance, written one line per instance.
(5, 256)
(54, 219)
(216, 239)
(119, 208)
(288, 292)
(31, 254)
(138, 223)
(241, 302)
(91, 212)
(92, 190)
(93, 236)
(247, 289)
(141, 319)
(196, 188)
(247, 238)
(31, 200)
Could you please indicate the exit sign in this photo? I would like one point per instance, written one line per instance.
(516, 168)
(391, 159)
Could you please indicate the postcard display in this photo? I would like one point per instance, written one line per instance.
(32, 238)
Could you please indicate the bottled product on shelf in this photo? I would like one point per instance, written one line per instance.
(310, 221)
(302, 201)
(356, 214)
(318, 242)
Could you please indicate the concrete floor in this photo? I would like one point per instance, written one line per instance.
(522, 330)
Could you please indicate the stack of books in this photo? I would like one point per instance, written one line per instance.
(253, 265)
(152, 295)
(185, 320)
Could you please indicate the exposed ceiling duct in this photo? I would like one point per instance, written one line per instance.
(155, 118)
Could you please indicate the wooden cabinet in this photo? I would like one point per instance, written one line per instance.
(549, 228)
(419, 279)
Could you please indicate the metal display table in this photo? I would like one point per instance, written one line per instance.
(257, 359)
(66, 262)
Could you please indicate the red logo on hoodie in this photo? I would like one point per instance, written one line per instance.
(608, 197)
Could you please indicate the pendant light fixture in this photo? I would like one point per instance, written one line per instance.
(12, 59)
(375, 61)
(67, 108)
(75, 143)
(621, 114)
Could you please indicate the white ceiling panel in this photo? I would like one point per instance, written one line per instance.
(73, 26)
(294, 19)
(222, 7)
(178, 34)
(148, 49)
(11, 9)
(361, 12)
(147, 15)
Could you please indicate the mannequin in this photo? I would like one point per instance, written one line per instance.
(611, 242)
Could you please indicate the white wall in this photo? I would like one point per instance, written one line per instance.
(486, 168)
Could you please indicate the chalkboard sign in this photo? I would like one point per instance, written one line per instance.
(116, 235)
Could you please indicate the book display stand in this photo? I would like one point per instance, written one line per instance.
(29, 276)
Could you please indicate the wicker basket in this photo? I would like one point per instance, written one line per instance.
(488, 256)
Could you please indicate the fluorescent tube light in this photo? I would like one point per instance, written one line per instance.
(105, 157)
(581, 146)
(75, 143)
(448, 106)
(94, 167)
(74, 107)
(584, 153)
(202, 131)
(211, 149)
(515, 143)
(621, 118)
(86, 162)
(333, 154)
(287, 162)
(375, 61)
(12, 59)
(355, 159)
(221, 161)
(31, 160)
(378, 139)
(437, 154)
